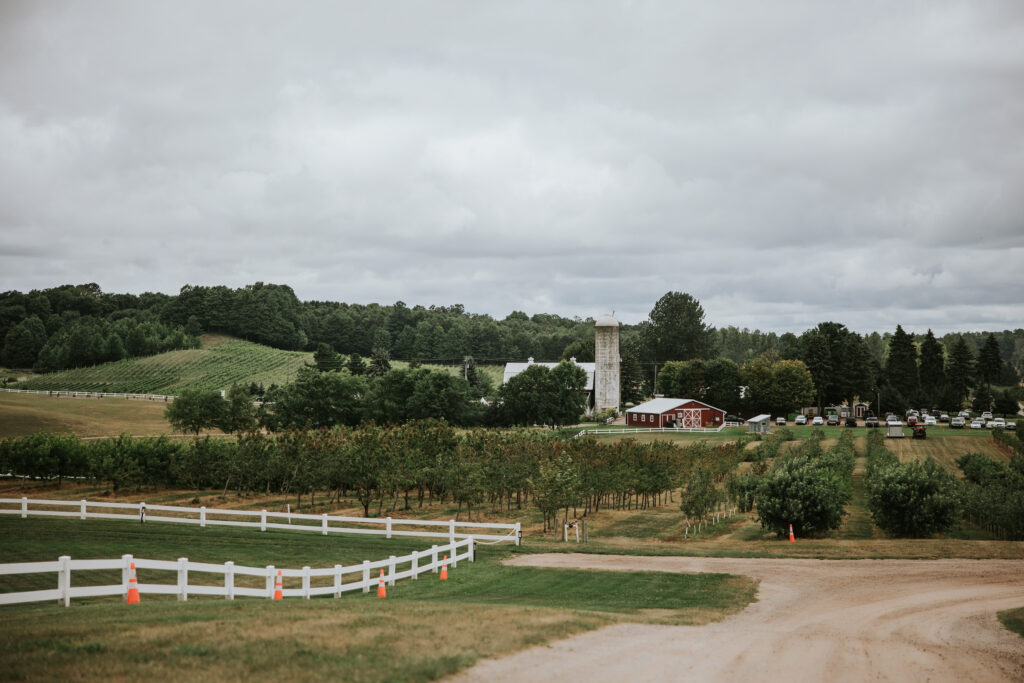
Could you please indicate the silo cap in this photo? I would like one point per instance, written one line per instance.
(607, 321)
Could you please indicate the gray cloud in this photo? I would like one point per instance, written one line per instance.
(785, 163)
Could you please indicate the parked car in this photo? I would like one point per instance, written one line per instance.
(1011, 426)
(780, 421)
(893, 421)
(977, 424)
(734, 418)
(964, 414)
(957, 423)
(991, 424)
(987, 415)
(871, 422)
(912, 420)
(817, 420)
(944, 417)
(851, 422)
(832, 421)
(930, 421)
(801, 419)
(1000, 421)
(919, 433)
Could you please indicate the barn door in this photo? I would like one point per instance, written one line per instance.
(691, 418)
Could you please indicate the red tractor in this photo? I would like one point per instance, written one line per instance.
(919, 432)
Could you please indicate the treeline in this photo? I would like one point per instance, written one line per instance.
(78, 326)
(384, 468)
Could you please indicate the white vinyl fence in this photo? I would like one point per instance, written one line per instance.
(262, 519)
(361, 576)
(651, 430)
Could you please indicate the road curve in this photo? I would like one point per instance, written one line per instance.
(815, 620)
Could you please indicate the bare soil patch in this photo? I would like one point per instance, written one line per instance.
(816, 620)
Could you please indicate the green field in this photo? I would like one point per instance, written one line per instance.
(425, 629)
(219, 363)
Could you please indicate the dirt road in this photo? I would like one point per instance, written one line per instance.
(815, 620)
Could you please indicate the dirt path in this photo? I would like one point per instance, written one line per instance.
(816, 620)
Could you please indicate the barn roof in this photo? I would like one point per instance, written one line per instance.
(513, 369)
(660, 405)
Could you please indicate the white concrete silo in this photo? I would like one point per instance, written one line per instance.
(607, 386)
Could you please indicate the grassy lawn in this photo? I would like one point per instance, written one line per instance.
(425, 629)
(24, 414)
(1013, 619)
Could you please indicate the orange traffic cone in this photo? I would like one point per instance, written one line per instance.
(444, 569)
(278, 593)
(133, 586)
(791, 539)
(382, 592)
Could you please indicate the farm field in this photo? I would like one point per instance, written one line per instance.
(24, 414)
(219, 363)
(423, 630)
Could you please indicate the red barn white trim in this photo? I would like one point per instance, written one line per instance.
(684, 413)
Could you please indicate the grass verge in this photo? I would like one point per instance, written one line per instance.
(1013, 619)
(426, 629)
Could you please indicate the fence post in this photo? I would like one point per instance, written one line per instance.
(229, 580)
(391, 570)
(263, 520)
(519, 533)
(472, 557)
(270, 581)
(366, 576)
(565, 533)
(337, 580)
(305, 582)
(451, 531)
(183, 579)
(415, 565)
(24, 507)
(388, 527)
(455, 554)
(324, 524)
(433, 558)
(64, 581)
(142, 513)
(126, 563)
(82, 509)
(202, 517)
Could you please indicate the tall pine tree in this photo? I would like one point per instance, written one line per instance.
(960, 370)
(933, 370)
(990, 364)
(901, 370)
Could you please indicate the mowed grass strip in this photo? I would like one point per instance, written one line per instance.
(424, 630)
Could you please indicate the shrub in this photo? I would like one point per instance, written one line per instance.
(914, 500)
(808, 497)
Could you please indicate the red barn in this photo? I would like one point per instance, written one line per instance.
(684, 413)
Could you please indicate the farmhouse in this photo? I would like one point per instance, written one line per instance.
(682, 413)
(513, 369)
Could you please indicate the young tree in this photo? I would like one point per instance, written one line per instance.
(194, 410)
(699, 496)
(913, 499)
(239, 414)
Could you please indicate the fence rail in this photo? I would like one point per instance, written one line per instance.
(651, 430)
(418, 563)
(91, 394)
(204, 516)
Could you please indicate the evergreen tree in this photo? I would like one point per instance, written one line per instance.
(380, 363)
(990, 364)
(819, 362)
(933, 371)
(326, 360)
(901, 369)
(356, 365)
(630, 374)
(960, 370)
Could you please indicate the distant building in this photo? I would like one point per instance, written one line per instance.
(604, 387)
(681, 413)
(513, 369)
(761, 424)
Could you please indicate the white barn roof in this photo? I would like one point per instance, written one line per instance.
(660, 405)
(513, 369)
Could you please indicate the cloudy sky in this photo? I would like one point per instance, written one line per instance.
(783, 162)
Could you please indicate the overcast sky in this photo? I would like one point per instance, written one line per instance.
(784, 162)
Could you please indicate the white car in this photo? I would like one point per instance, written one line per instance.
(977, 424)
(991, 424)
(801, 419)
(817, 421)
(987, 415)
(893, 421)
(1011, 426)
(929, 420)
